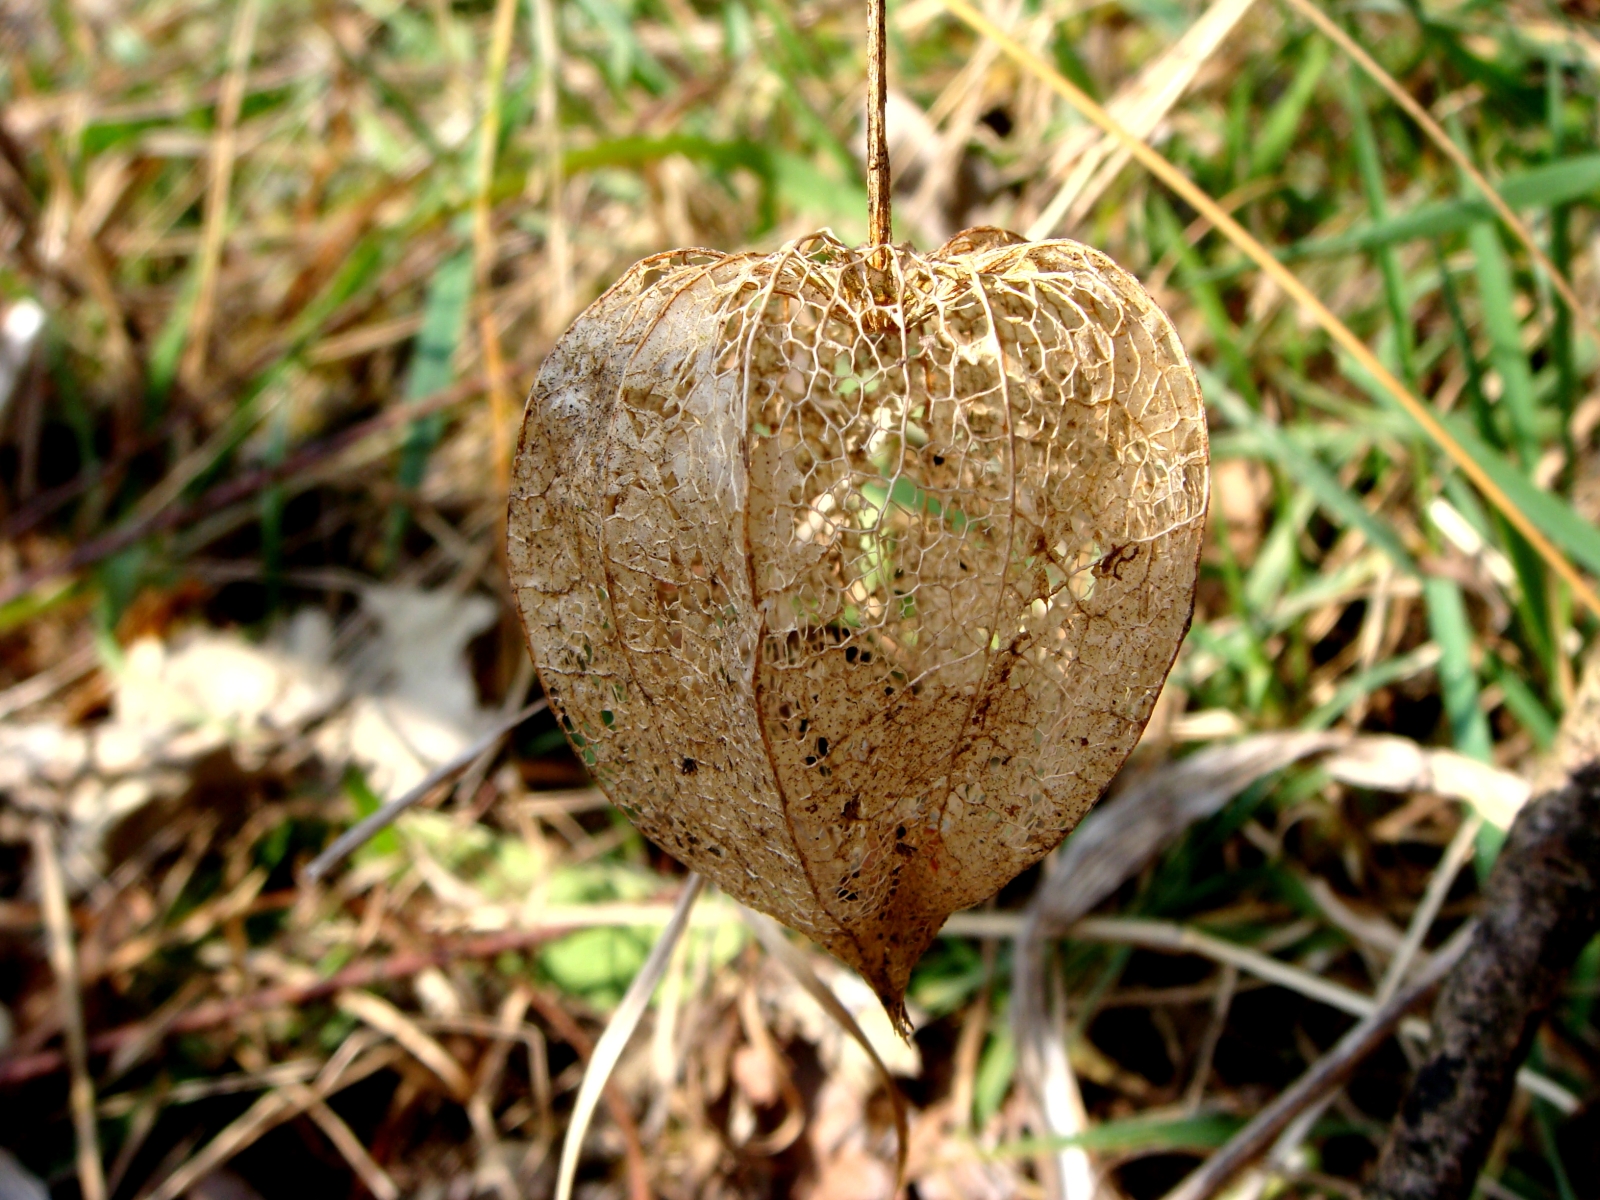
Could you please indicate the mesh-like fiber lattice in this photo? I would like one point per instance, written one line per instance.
(853, 574)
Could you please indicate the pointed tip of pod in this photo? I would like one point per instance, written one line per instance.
(894, 1005)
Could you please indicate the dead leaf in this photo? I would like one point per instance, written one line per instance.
(853, 575)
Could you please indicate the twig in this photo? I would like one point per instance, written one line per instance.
(369, 827)
(880, 231)
(275, 1108)
(64, 962)
(1541, 906)
(1332, 1069)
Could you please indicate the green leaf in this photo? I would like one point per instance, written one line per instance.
(596, 964)
(1458, 680)
(385, 841)
(1133, 1134)
(1498, 295)
(1559, 182)
(995, 1071)
(1276, 133)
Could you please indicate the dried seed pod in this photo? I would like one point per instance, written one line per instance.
(853, 574)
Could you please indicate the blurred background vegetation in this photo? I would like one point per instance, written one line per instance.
(275, 276)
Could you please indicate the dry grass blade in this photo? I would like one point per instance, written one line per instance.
(480, 1111)
(1397, 764)
(1184, 939)
(373, 1177)
(1433, 897)
(1119, 838)
(273, 1109)
(64, 961)
(48, 682)
(224, 146)
(1141, 106)
(483, 243)
(1436, 133)
(1162, 169)
(421, 198)
(558, 300)
(386, 1018)
(240, 487)
(1111, 845)
(620, 1028)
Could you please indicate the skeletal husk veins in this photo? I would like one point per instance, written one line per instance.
(853, 574)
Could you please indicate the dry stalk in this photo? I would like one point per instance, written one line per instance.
(64, 962)
(224, 146)
(880, 231)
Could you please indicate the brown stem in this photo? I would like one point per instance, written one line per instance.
(879, 232)
(1542, 906)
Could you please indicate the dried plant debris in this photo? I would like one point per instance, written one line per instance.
(854, 574)
(399, 707)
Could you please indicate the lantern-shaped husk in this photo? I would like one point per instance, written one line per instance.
(853, 575)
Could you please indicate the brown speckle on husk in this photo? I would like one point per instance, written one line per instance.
(854, 574)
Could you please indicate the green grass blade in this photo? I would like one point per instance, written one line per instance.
(1458, 681)
(1277, 132)
(1497, 294)
(1366, 682)
(1131, 1134)
(1551, 514)
(1370, 166)
(1279, 556)
(444, 320)
(1520, 701)
(1308, 471)
(1205, 297)
(625, 58)
(996, 1069)
(1561, 182)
